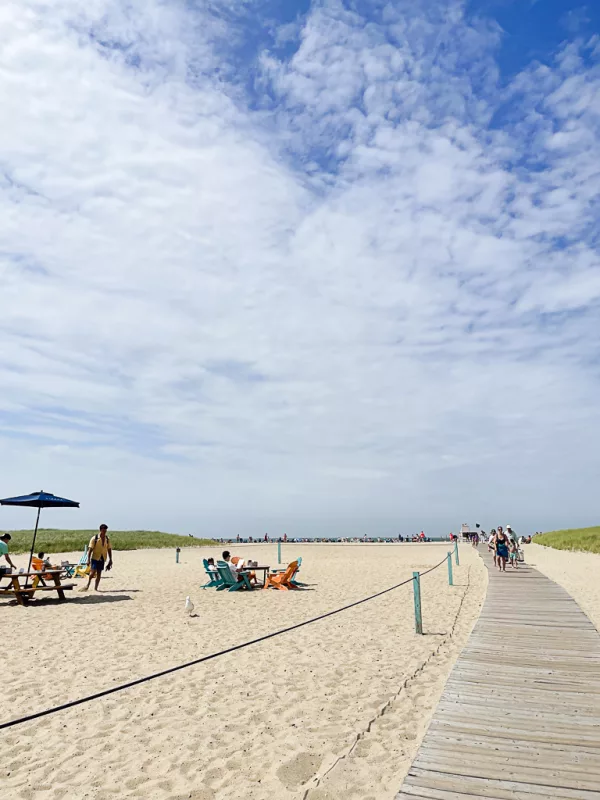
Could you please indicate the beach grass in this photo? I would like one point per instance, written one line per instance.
(53, 540)
(586, 540)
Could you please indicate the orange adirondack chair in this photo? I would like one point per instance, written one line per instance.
(282, 580)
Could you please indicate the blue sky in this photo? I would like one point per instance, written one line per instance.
(536, 29)
(308, 267)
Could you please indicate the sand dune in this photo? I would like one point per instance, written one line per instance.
(334, 709)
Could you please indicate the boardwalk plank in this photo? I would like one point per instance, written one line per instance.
(519, 718)
(532, 756)
(507, 769)
(485, 787)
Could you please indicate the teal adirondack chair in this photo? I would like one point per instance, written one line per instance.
(230, 581)
(295, 575)
(214, 579)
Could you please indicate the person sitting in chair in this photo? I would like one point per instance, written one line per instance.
(41, 563)
(46, 563)
(235, 565)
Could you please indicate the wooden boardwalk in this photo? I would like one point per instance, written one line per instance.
(519, 718)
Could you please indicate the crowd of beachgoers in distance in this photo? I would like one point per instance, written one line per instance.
(266, 539)
(471, 537)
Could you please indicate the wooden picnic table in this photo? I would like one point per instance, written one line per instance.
(23, 593)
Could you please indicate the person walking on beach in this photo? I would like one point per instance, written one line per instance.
(501, 549)
(99, 549)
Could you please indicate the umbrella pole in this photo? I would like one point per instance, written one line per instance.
(33, 544)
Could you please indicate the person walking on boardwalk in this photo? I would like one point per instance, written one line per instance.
(99, 550)
(513, 552)
(492, 544)
(501, 549)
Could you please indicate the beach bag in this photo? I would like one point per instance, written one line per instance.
(520, 555)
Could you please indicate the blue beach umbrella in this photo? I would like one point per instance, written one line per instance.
(38, 500)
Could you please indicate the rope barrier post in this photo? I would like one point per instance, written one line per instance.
(417, 598)
(279, 552)
(177, 551)
(450, 578)
(456, 553)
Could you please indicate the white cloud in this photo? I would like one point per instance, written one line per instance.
(359, 307)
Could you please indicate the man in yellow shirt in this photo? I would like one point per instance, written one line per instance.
(99, 550)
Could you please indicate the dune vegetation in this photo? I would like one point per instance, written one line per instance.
(53, 540)
(584, 539)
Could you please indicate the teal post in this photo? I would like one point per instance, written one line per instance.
(456, 552)
(279, 552)
(417, 598)
(450, 579)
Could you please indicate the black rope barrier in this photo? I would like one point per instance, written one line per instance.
(130, 684)
(443, 561)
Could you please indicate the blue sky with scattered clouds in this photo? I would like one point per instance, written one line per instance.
(321, 267)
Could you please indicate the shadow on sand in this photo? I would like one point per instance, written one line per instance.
(95, 597)
(74, 599)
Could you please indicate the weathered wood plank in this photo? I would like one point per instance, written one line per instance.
(492, 743)
(532, 755)
(490, 787)
(519, 718)
(507, 769)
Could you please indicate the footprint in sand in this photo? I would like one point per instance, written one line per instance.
(328, 794)
(196, 794)
(363, 748)
(299, 769)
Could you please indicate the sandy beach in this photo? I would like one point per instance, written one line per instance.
(576, 572)
(334, 709)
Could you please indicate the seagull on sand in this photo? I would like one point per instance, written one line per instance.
(189, 606)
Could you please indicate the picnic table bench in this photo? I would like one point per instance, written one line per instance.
(23, 593)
